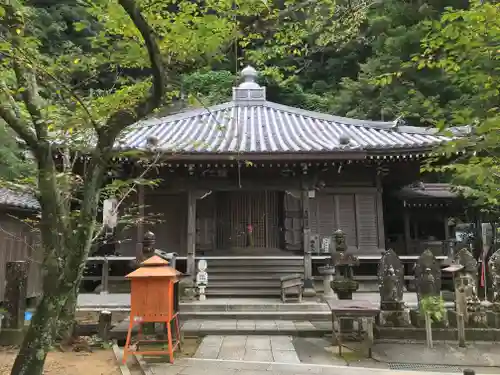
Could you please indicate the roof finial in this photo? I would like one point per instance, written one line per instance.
(249, 90)
(249, 75)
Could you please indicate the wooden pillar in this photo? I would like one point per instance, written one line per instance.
(447, 244)
(191, 233)
(446, 228)
(407, 230)
(16, 275)
(380, 214)
(306, 240)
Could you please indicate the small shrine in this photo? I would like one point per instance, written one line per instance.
(153, 301)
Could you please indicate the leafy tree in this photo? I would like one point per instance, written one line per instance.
(393, 33)
(57, 96)
(463, 44)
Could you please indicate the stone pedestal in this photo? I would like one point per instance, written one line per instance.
(396, 318)
(327, 289)
(327, 273)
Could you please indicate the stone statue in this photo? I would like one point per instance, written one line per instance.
(340, 241)
(343, 283)
(427, 275)
(391, 287)
(494, 268)
(468, 276)
(148, 245)
(390, 281)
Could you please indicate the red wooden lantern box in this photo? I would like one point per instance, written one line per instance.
(152, 301)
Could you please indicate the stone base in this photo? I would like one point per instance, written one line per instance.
(438, 334)
(477, 319)
(493, 318)
(12, 336)
(309, 292)
(398, 318)
(417, 320)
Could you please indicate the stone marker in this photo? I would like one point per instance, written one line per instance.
(16, 275)
(390, 276)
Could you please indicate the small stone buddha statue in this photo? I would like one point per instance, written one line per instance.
(146, 249)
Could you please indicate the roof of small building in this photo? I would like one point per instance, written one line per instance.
(21, 200)
(429, 191)
(251, 124)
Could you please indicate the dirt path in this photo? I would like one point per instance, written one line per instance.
(100, 362)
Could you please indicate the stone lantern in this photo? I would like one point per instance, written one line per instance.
(343, 283)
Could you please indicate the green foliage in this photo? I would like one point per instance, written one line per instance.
(433, 306)
(76, 75)
(463, 45)
(208, 88)
(14, 163)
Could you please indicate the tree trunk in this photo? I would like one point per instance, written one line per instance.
(38, 340)
(66, 323)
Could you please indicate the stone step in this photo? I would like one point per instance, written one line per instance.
(195, 327)
(255, 262)
(245, 276)
(223, 291)
(254, 270)
(249, 305)
(239, 283)
(258, 315)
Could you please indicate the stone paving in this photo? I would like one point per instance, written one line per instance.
(287, 355)
(248, 348)
(122, 300)
(194, 366)
(271, 327)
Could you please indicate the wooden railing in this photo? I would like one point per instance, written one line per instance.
(105, 278)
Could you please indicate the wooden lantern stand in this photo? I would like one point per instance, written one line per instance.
(152, 301)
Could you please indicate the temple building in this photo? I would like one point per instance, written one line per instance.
(257, 188)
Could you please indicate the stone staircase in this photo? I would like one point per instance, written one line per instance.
(250, 277)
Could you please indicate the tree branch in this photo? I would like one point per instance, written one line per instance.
(26, 80)
(8, 114)
(158, 73)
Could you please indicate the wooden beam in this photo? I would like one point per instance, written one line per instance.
(306, 233)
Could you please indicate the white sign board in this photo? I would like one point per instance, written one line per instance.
(326, 242)
(110, 213)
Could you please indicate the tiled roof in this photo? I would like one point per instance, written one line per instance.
(429, 191)
(9, 198)
(250, 124)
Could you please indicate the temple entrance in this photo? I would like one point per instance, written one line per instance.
(248, 220)
(244, 223)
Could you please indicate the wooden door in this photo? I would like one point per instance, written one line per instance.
(346, 218)
(367, 222)
(205, 223)
(293, 221)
